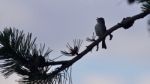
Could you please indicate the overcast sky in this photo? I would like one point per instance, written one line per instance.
(56, 22)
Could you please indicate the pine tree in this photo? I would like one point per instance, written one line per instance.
(20, 54)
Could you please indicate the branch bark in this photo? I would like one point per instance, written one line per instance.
(68, 63)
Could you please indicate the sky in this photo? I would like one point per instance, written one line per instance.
(56, 22)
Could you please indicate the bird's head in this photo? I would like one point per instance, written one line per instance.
(100, 20)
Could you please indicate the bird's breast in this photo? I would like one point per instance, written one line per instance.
(100, 30)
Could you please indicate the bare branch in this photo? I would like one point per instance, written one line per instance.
(125, 23)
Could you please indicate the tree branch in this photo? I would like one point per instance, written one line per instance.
(123, 23)
(56, 63)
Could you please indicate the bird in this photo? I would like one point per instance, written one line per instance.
(100, 30)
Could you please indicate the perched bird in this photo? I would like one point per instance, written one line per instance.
(100, 30)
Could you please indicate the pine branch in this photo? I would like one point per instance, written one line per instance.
(19, 54)
(145, 3)
(125, 23)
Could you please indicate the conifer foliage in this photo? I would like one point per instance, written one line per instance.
(145, 3)
(19, 54)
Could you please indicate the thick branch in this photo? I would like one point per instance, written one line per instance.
(56, 63)
(67, 64)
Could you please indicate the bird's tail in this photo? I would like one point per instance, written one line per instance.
(104, 44)
(97, 47)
